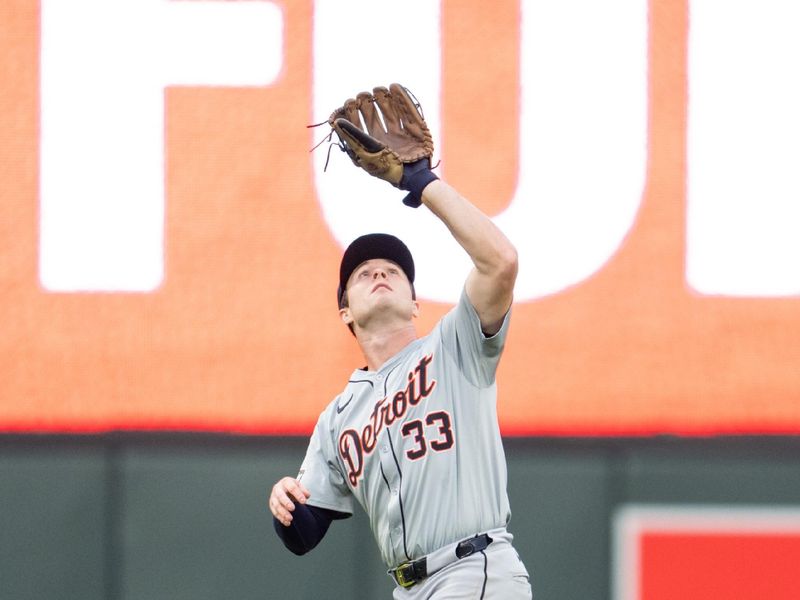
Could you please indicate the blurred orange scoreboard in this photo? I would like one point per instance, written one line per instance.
(185, 280)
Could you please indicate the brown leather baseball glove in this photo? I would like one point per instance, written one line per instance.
(385, 134)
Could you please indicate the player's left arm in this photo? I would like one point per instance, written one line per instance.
(490, 284)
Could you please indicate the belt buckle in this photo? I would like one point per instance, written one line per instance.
(400, 575)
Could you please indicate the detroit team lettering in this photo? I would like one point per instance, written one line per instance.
(355, 445)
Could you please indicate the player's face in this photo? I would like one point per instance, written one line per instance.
(379, 286)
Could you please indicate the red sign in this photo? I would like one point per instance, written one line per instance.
(696, 553)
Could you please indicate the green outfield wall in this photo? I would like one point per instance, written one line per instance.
(131, 516)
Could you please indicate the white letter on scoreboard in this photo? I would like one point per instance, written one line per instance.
(743, 188)
(104, 67)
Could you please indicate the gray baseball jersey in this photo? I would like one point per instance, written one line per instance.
(417, 442)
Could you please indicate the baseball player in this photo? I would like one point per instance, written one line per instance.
(413, 437)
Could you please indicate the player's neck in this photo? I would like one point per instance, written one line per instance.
(379, 346)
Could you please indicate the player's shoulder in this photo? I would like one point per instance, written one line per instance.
(461, 311)
(461, 328)
(359, 381)
(333, 403)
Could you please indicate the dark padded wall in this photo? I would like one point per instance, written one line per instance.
(53, 523)
(148, 517)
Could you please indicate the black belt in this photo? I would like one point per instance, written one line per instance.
(413, 572)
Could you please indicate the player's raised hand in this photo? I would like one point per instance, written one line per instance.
(385, 134)
(284, 494)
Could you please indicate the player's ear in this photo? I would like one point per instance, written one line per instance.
(415, 310)
(344, 314)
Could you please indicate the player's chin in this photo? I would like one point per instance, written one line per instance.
(396, 306)
(381, 301)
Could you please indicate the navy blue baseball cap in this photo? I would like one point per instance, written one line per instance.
(367, 247)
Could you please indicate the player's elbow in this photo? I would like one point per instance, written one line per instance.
(507, 264)
(499, 272)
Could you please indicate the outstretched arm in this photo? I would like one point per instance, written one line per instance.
(490, 285)
(398, 149)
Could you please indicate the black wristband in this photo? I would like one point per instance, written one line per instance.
(416, 177)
